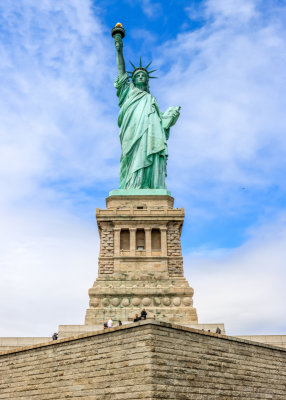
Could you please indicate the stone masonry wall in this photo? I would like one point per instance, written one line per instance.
(204, 366)
(106, 240)
(105, 266)
(146, 360)
(175, 264)
(105, 261)
(109, 365)
(174, 239)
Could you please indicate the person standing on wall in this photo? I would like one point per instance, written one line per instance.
(109, 323)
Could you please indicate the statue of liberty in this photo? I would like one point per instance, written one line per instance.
(144, 129)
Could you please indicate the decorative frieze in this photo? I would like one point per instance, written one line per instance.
(136, 301)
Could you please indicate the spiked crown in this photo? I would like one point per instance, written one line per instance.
(141, 68)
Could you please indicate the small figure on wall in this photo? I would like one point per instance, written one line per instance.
(136, 318)
(143, 314)
(109, 323)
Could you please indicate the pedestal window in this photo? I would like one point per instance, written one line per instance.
(156, 239)
(140, 239)
(124, 239)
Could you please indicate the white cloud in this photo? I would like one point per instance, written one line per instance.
(55, 57)
(236, 10)
(151, 8)
(47, 261)
(229, 79)
(51, 122)
(146, 37)
(244, 288)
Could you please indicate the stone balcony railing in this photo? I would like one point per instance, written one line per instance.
(141, 213)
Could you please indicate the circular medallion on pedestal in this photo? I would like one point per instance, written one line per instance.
(146, 301)
(125, 302)
(115, 301)
(177, 301)
(187, 301)
(94, 302)
(136, 301)
(105, 302)
(157, 301)
(166, 301)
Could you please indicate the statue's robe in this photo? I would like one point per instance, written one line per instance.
(143, 137)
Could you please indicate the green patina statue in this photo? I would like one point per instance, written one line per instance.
(144, 129)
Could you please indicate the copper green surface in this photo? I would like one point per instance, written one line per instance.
(144, 129)
(140, 192)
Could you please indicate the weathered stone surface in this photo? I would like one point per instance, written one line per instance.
(145, 361)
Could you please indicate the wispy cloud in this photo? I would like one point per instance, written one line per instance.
(53, 133)
(151, 8)
(47, 263)
(229, 78)
(234, 10)
(244, 288)
(56, 59)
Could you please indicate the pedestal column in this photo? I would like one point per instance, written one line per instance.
(164, 241)
(117, 241)
(132, 241)
(148, 242)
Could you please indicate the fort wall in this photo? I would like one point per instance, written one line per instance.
(145, 360)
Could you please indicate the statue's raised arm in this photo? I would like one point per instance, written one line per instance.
(118, 34)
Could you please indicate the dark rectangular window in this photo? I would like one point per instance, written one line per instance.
(156, 239)
(140, 239)
(124, 239)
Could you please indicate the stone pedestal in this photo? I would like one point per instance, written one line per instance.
(140, 261)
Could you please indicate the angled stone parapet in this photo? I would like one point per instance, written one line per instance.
(13, 343)
(145, 360)
(66, 331)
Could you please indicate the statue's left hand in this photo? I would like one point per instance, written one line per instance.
(170, 116)
(175, 113)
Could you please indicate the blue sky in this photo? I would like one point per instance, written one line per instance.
(224, 63)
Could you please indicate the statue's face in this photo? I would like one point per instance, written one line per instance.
(141, 80)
